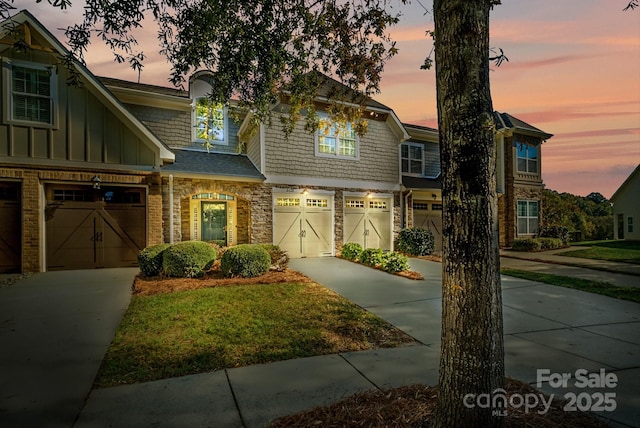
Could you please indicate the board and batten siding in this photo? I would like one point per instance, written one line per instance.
(87, 131)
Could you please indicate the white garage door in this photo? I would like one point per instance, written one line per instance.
(429, 216)
(303, 224)
(368, 221)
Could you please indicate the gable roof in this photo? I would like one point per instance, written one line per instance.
(93, 84)
(506, 121)
(634, 174)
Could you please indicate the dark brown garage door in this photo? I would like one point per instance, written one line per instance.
(10, 227)
(88, 228)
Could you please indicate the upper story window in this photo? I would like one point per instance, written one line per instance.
(412, 158)
(527, 157)
(33, 91)
(209, 122)
(336, 139)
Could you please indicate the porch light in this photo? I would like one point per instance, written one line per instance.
(305, 192)
(96, 182)
(433, 195)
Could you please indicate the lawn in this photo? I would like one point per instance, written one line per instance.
(175, 333)
(618, 251)
(604, 288)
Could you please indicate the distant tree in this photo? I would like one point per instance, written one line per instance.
(590, 216)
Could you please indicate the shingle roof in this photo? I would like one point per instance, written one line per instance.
(513, 122)
(421, 183)
(218, 164)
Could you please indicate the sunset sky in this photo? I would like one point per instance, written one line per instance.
(573, 71)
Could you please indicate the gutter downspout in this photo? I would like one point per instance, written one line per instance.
(170, 208)
(406, 208)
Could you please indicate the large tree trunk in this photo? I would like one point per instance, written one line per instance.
(472, 353)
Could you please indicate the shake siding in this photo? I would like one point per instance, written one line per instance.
(296, 157)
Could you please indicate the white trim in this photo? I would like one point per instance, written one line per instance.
(333, 182)
(140, 97)
(300, 191)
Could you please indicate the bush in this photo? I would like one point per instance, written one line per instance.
(188, 259)
(526, 244)
(394, 262)
(351, 251)
(246, 260)
(371, 256)
(550, 243)
(559, 232)
(150, 259)
(415, 241)
(279, 257)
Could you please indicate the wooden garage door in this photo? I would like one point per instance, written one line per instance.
(89, 228)
(303, 224)
(367, 221)
(10, 227)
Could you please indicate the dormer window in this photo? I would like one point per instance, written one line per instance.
(527, 158)
(209, 122)
(336, 139)
(33, 93)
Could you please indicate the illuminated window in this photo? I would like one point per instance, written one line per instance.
(317, 202)
(209, 123)
(336, 139)
(288, 202)
(378, 204)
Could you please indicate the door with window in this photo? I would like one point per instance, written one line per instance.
(368, 221)
(303, 224)
(214, 221)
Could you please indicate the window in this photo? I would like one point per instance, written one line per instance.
(335, 139)
(527, 217)
(288, 202)
(33, 92)
(355, 203)
(436, 207)
(322, 203)
(381, 205)
(209, 123)
(527, 158)
(630, 224)
(412, 158)
(420, 206)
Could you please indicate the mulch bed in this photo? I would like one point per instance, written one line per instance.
(414, 406)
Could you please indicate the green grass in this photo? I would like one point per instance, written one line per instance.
(617, 251)
(604, 288)
(175, 334)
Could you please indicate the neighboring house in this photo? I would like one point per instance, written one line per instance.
(626, 208)
(91, 174)
(518, 178)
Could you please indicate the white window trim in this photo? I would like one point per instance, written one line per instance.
(7, 101)
(318, 153)
(518, 217)
(194, 132)
(409, 145)
(527, 159)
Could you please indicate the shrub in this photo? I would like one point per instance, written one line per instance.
(550, 243)
(246, 260)
(554, 231)
(415, 241)
(279, 257)
(351, 251)
(371, 256)
(394, 262)
(188, 259)
(526, 244)
(150, 259)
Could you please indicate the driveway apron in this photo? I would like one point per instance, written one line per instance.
(55, 328)
(547, 328)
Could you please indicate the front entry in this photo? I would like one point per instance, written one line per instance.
(214, 221)
(212, 217)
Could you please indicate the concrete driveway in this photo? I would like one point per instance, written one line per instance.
(55, 328)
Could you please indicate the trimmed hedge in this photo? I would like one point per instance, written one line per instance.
(188, 259)
(371, 256)
(351, 251)
(537, 244)
(246, 260)
(394, 262)
(150, 259)
(415, 241)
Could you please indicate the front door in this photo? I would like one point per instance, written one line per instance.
(620, 226)
(214, 221)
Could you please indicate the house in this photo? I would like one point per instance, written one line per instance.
(626, 208)
(518, 179)
(92, 173)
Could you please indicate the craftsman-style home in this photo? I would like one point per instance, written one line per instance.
(92, 173)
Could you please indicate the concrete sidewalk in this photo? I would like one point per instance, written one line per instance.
(546, 327)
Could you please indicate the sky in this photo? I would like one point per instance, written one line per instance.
(573, 71)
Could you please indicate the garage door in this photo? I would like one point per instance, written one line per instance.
(303, 224)
(89, 228)
(10, 227)
(428, 215)
(368, 221)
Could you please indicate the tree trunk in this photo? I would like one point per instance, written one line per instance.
(472, 353)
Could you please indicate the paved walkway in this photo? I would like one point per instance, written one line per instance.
(546, 327)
